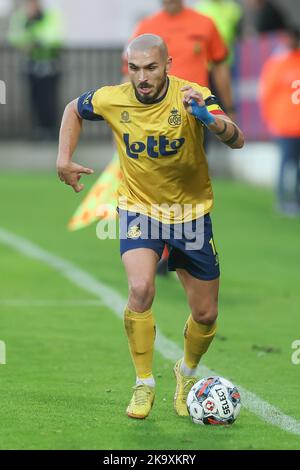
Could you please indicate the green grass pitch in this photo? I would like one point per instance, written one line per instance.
(68, 375)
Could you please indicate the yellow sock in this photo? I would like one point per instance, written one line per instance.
(197, 338)
(140, 329)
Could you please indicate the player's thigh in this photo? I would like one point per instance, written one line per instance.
(140, 266)
(202, 296)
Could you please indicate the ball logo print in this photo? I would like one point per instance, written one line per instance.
(214, 401)
(209, 405)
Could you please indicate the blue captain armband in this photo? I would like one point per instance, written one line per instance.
(86, 109)
(202, 114)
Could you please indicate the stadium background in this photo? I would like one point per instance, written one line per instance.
(64, 380)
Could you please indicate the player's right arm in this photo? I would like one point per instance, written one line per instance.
(71, 126)
(68, 171)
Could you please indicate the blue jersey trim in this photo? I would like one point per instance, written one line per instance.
(86, 109)
(211, 100)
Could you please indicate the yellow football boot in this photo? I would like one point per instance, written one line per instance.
(141, 402)
(183, 386)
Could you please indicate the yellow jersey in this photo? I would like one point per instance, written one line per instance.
(160, 145)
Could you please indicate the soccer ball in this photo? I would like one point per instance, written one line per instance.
(214, 400)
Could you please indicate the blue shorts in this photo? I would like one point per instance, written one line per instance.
(191, 245)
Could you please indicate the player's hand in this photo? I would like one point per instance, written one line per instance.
(194, 103)
(189, 95)
(71, 173)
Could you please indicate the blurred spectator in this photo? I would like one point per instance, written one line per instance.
(194, 43)
(38, 32)
(267, 16)
(280, 104)
(227, 15)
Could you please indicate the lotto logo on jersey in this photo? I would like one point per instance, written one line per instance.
(155, 146)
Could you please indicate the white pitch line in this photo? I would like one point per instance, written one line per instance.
(49, 303)
(115, 302)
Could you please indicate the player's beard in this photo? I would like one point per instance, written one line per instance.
(150, 99)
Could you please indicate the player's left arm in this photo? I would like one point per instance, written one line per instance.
(219, 124)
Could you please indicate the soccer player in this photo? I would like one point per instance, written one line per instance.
(158, 122)
(196, 47)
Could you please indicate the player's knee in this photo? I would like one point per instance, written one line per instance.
(142, 294)
(206, 316)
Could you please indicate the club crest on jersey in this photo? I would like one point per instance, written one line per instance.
(155, 146)
(125, 117)
(134, 232)
(174, 118)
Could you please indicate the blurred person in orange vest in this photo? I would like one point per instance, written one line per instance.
(280, 106)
